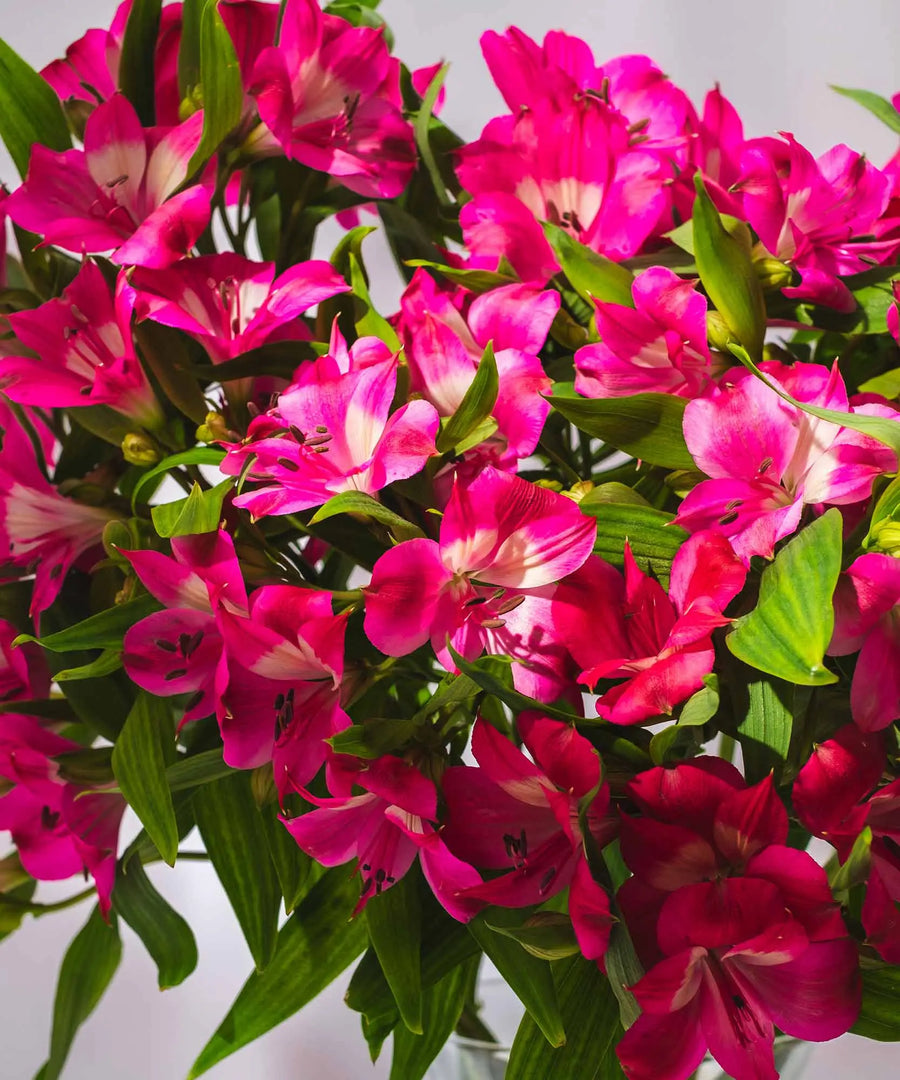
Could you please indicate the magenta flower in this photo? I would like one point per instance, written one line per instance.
(23, 669)
(384, 829)
(329, 93)
(232, 305)
(483, 584)
(738, 931)
(180, 650)
(768, 459)
(334, 432)
(444, 346)
(816, 214)
(659, 345)
(631, 629)
(522, 816)
(119, 193)
(84, 352)
(867, 620)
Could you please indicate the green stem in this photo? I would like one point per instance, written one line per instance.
(45, 909)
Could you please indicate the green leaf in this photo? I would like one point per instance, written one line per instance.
(168, 355)
(767, 723)
(166, 936)
(787, 633)
(197, 769)
(102, 631)
(591, 1015)
(653, 539)
(139, 763)
(476, 281)
(647, 426)
(235, 839)
(887, 510)
(421, 128)
(855, 869)
(358, 502)
(442, 1006)
(548, 935)
(593, 276)
(107, 662)
(87, 968)
(314, 947)
(887, 384)
(476, 405)
(200, 512)
(293, 867)
(879, 1017)
(394, 920)
(875, 103)
(882, 429)
(374, 738)
(727, 273)
(529, 978)
(30, 111)
(702, 706)
(137, 77)
(197, 455)
(683, 235)
(623, 969)
(189, 46)
(370, 322)
(220, 82)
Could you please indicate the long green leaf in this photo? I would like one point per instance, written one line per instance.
(358, 502)
(200, 512)
(529, 977)
(593, 276)
(235, 839)
(139, 763)
(87, 968)
(102, 631)
(189, 46)
(649, 533)
(591, 1015)
(137, 76)
(107, 662)
(221, 86)
(422, 128)
(30, 111)
(647, 426)
(878, 1017)
(296, 871)
(314, 947)
(787, 633)
(476, 405)
(875, 103)
(394, 920)
(197, 769)
(768, 723)
(166, 936)
(198, 455)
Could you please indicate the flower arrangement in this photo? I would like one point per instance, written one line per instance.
(548, 619)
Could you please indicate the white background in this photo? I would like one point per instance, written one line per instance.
(773, 59)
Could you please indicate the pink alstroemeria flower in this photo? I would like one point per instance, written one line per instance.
(118, 194)
(329, 93)
(232, 305)
(84, 352)
(444, 347)
(523, 815)
(815, 213)
(738, 931)
(332, 432)
(58, 828)
(23, 669)
(484, 584)
(41, 531)
(285, 664)
(659, 644)
(384, 829)
(768, 459)
(657, 346)
(867, 619)
(180, 650)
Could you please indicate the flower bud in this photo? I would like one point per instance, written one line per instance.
(140, 449)
(887, 538)
(215, 429)
(773, 274)
(717, 332)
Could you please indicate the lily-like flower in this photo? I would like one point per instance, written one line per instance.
(333, 431)
(768, 459)
(658, 346)
(84, 352)
(120, 193)
(660, 644)
(522, 816)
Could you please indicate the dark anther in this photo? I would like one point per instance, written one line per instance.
(166, 646)
(475, 601)
(765, 465)
(286, 463)
(176, 674)
(729, 518)
(49, 818)
(547, 879)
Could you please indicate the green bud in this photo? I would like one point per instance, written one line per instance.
(117, 536)
(140, 449)
(190, 103)
(717, 332)
(886, 538)
(773, 274)
(214, 429)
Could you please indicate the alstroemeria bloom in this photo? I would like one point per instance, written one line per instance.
(85, 352)
(768, 459)
(285, 663)
(232, 305)
(58, 828)
(41, 531)
(739, 932)
(660, 644)
(384, 828)
(444, 347)
(502, 541)
(523, 815)
(867, 619)
(23, 669)
(329, 93)
(658, 346)
(333, 432)
(118, 194)
(180, 650)
(815, 213)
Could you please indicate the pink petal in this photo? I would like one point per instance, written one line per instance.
(407, 582)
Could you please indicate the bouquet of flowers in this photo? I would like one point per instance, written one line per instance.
(548, 619)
